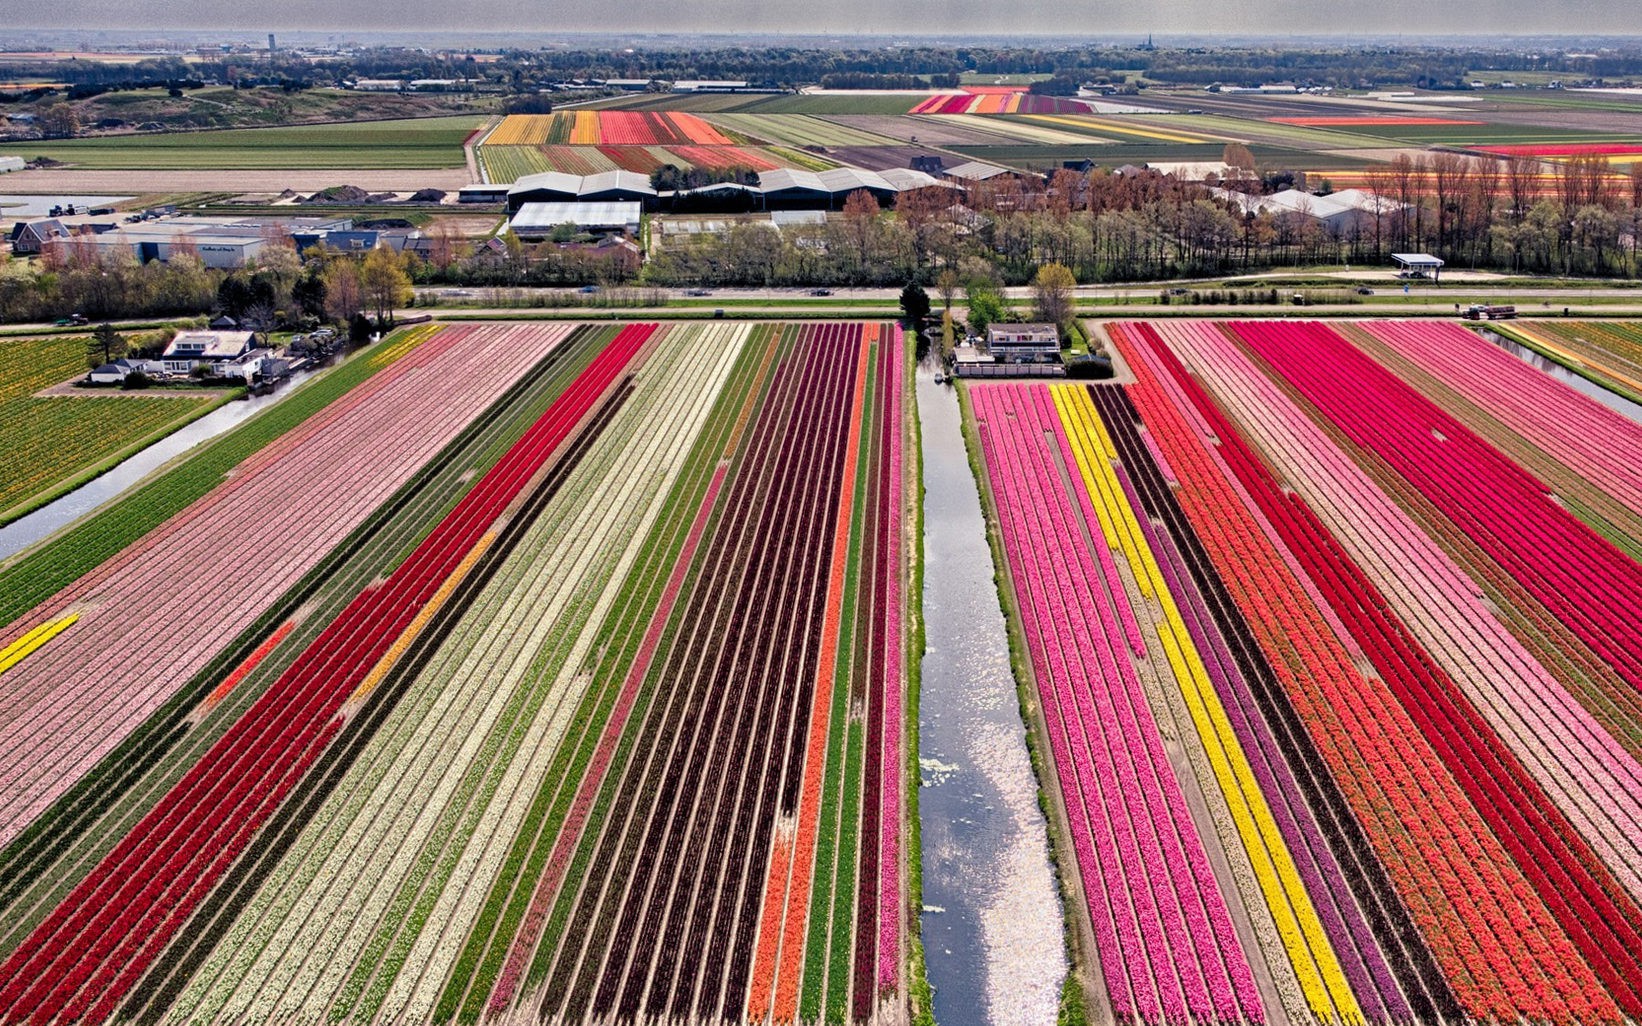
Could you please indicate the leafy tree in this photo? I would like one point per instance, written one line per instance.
(947, 284)
(1238, 155)
(383, 281)
(309, 292)
(985, 306)
(1052, 295)
(342, 291)
(104, 346)
(58, 121)
(914, 303)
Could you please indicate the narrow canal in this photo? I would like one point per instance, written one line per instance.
(992, 923)
(25, 531)
(1585, 386)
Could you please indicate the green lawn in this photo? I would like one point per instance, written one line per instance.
(410, 143)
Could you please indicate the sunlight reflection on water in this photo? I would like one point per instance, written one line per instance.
(992, 916)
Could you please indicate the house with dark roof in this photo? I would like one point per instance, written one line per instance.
(30, 238)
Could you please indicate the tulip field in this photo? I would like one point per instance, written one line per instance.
(1333, 643)
(1607, 352)
(544, 673)
(588, 142)
(48, 442)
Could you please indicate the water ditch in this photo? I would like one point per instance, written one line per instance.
(89, 497)
(1612, 400)
(992, 922)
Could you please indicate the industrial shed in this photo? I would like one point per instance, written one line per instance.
(537, 220)
(785, 188)
(558, 187)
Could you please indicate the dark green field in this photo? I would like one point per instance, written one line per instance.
(414, 143)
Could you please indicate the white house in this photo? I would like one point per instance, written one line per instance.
(243, 367)
(115, 373)
(213, 347)
(1023, 343)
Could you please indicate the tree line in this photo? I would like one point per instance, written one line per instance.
(1106, 227)
(279, 289)
(522, 71)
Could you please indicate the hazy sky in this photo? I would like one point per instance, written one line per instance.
(1076, 18)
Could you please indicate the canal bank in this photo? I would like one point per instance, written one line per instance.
(992, 919)
(71, 507)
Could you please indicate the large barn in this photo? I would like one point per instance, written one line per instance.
(558, 187)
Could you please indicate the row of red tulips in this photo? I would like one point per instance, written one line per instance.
(88, 953)
(1492, 938)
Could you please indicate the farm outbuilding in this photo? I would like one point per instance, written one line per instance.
(537, 220)
(558, 187)
(115, 373)
(1417, 265)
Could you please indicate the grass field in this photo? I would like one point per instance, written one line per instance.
(1492, 135)
(412, 143)
(45, 442)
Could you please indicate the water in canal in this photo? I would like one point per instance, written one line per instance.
(1585, 386)
(25, 531)
(992, 922)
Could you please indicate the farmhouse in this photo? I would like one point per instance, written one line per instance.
(1023, 343)
(30, 238)
(213, 347)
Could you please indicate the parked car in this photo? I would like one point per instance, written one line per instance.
(820, 292)
(698, 292)
(1364, 290)
(588, 289)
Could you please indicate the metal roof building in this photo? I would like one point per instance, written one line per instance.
(537, 220)
(978, 171)
(556, 186)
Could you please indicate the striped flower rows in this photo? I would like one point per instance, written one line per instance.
(1403, 736)
(140, 634)
(87, 955)
(576, 628)
(1163, 933)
